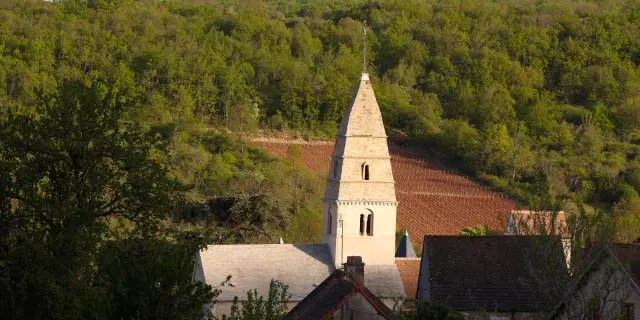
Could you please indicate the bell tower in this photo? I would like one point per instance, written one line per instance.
(359, 210)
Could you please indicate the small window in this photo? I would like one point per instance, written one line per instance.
(329, 222)
(335, 169)
(370, 224)
(593, 309)
(362, 224)
(365, 172)
(628, 311)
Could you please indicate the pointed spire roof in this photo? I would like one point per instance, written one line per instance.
(405, 249)
(363, 117)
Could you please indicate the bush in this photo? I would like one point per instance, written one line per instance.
(626, 192)
(276, 121)
(428, 310)
(494, 182)
(632, 177)
(459, 138)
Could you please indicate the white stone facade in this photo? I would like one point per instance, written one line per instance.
(359, 212)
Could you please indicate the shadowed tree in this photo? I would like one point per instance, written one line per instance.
(83, 199)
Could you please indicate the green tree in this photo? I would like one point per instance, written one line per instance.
(478, 230)
(429, 310)
(255, 307)
(81, 192)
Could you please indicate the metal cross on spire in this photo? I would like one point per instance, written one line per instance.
(364, 56)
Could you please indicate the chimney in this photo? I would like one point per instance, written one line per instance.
(355, 267)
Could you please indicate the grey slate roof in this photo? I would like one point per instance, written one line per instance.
(490, 273)
(383, 280)
(300, 266)
(405, 248)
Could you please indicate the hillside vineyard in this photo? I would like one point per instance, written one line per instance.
(433, 200)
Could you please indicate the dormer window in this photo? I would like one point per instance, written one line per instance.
(365, 171)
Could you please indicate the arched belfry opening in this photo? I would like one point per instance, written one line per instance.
(335, 169)
(329, 222)
(365, 171)
(366, 224)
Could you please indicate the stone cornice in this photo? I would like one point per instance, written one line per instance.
(359, 136)
(359, 181)
(363, 202)
(359, 157)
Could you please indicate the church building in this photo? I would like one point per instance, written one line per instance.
(359, 219)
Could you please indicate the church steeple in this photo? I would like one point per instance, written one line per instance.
(360, 202)
(363, 117)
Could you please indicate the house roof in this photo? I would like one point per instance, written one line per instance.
(528, 222)
(300, 266)
(330, 295)
(627, 257)
(405, 248)
(409, 269)
(489, 273)
(433, 199)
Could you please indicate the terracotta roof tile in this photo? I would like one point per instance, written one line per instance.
(433, 199)
(409, 269)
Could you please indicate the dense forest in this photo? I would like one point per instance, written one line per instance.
(531, 97)
(540, 94)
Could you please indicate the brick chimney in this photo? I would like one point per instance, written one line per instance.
(355, 267)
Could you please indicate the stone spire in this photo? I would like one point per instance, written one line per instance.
(405, 249)
(361, 166)
(363, 117)
(360, 185)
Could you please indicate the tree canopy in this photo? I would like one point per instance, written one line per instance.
(526, 95)
(82, 202)
(115, 113)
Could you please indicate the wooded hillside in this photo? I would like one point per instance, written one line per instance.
(120, 126)
(532, 97)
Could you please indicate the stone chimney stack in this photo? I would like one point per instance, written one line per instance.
(355, 267)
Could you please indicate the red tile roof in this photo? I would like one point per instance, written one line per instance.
(409, 269)
(433, 199)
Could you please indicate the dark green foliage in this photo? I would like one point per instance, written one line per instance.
(239, 219)
(531, 93)
(241, 194)
(430, 310)
(632, 177)
(626, 192)
(477, 230)
(532, 98)
(151, 279)
(255, 307)
(82, 201)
